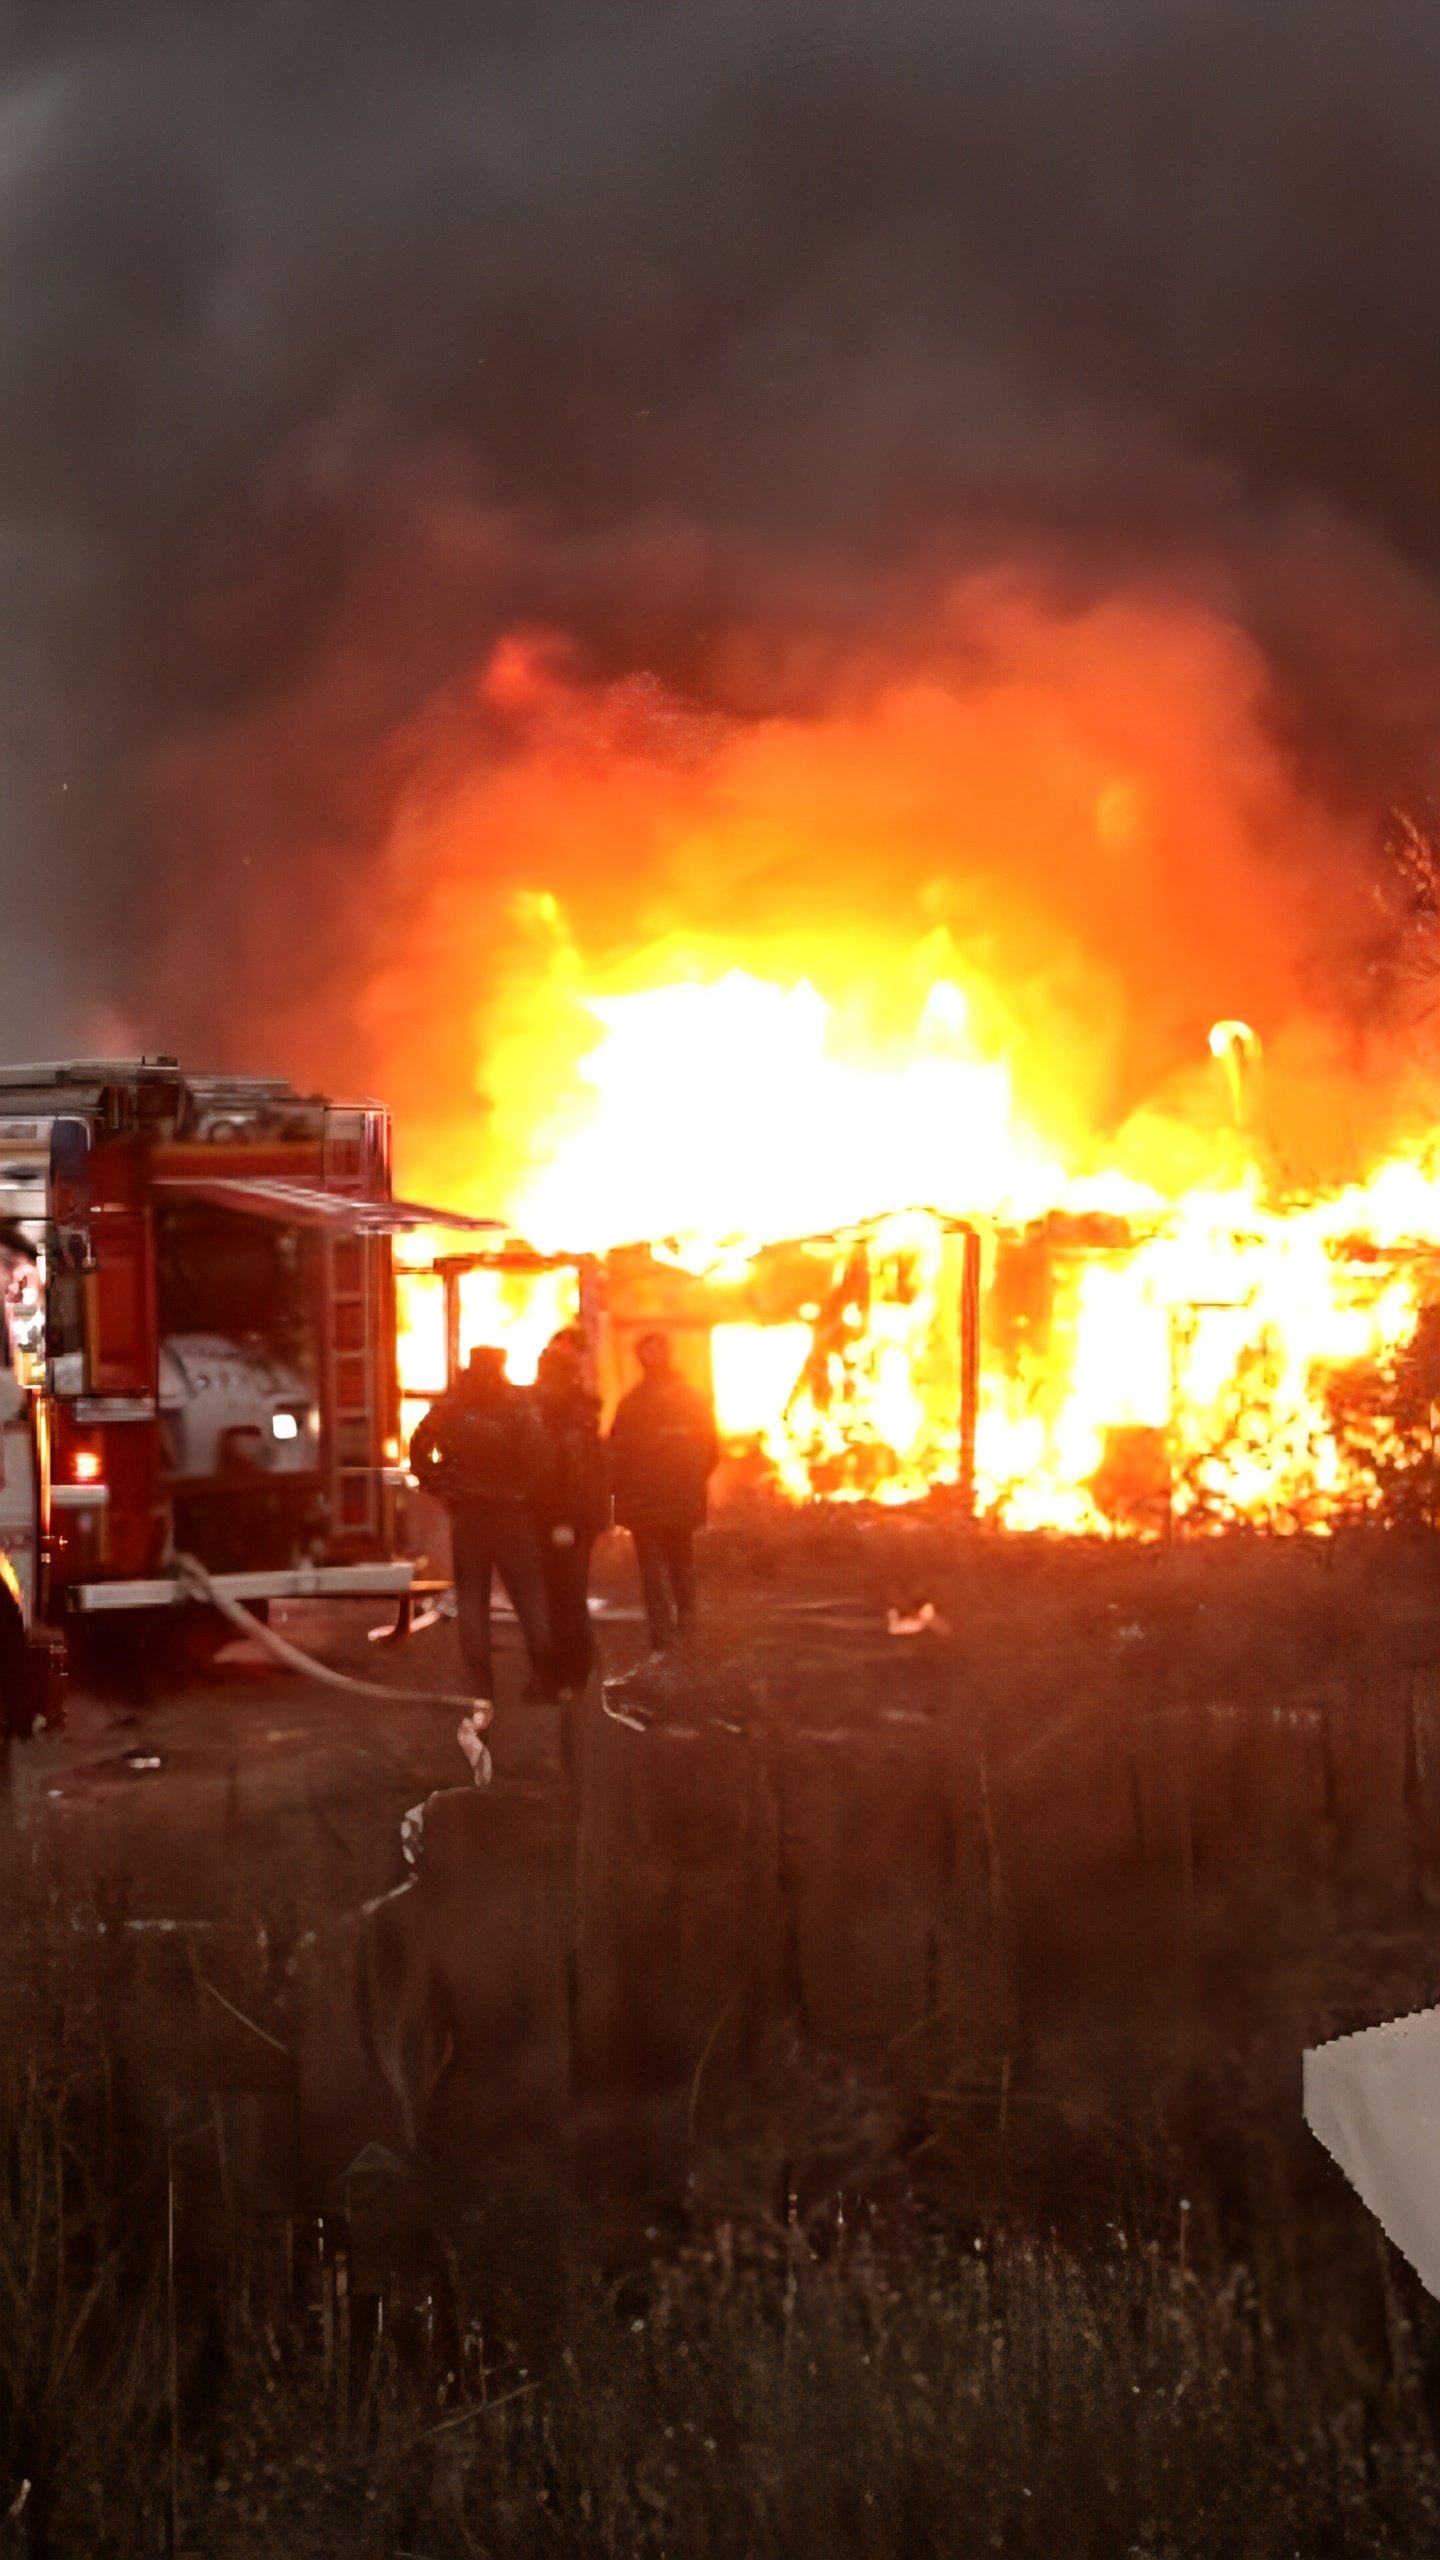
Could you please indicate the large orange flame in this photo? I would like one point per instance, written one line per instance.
(949, 949)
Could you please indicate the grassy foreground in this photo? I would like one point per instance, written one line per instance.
(866, 2388)
(1022, 2345)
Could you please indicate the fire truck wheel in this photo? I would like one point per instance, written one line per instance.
(22, 1674)
(106, 1655)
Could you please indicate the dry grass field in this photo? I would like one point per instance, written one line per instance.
(978, 2216)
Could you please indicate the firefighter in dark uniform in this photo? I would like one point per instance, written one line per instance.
(484, 1451)
(663, 1451)
(579, 1503)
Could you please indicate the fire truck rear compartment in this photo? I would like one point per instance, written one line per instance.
(238, 1386)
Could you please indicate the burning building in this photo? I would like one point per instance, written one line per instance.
(909, 1085)
(1220, 1358)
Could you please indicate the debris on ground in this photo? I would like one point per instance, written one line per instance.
(924, 1621)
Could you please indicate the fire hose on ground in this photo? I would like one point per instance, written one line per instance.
(476, 1713)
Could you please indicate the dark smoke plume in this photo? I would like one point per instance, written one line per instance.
(335, 339)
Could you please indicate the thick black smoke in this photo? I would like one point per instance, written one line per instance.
(335, 337)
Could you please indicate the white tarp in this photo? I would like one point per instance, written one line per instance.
(1373, 2099)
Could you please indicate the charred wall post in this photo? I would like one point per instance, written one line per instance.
(969, 1362)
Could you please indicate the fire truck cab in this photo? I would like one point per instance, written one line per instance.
(197, 1352)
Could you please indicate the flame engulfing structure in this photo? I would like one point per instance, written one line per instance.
(1185, 1358)
(942, 960)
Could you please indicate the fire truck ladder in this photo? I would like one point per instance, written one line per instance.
(351, 1292)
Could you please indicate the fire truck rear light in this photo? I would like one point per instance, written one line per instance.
(285, 1426)
(85, 1466)
(392, 1451)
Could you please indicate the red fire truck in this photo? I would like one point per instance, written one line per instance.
(197, 1358)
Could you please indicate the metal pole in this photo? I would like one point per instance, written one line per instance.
(969, 1362)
